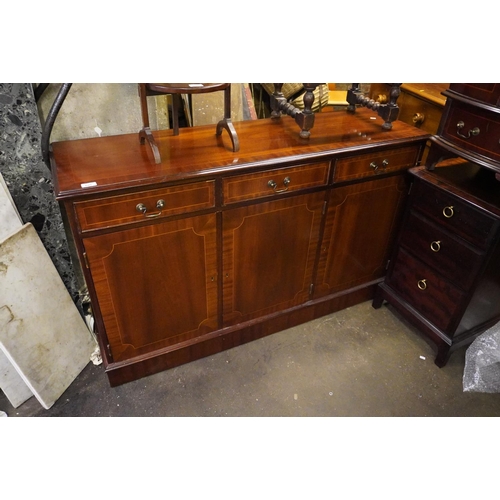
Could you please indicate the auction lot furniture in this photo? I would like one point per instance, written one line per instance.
(210, 249)
(445, 273)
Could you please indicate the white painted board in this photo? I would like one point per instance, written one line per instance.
(11, 383)
(42, 332)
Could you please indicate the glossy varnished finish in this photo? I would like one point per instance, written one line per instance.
(487, 123)
(269, 255)
(372, 164)
(113, 211)
(235, 251)
(265, 184)
(441, 249)
(119, 162)
(157, 285)
(482, 92)
(422, 105)
(445, 273)
(357, 240)
(470, 127)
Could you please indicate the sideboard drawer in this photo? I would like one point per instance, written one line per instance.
(437, 248)
(449, 211)
(272, 182)
(474, 130)
(425, 290)
(113, 211)
(378, 162)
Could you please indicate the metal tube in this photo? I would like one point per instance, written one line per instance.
(51, 118)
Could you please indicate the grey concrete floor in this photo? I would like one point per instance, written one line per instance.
(359, 362)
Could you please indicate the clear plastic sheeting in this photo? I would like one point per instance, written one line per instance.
(482, 362)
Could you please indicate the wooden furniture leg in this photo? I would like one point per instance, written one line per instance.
(145, 133)
(226, 122)
(304, 118)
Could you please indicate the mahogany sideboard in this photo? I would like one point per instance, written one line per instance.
(210, 249)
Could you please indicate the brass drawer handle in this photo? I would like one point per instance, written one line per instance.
(140, 207)
(448, 212)
(436, 246)
(422, 284)
(376, 167)
(471, 133)
(274, 185)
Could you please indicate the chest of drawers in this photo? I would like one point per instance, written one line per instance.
(470, 126)
(210, 249)
(444, 275)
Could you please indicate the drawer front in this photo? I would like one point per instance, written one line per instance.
(485, 92)
(455, 215)
(474, 129)
(377, 162)
(435, 298)
(156, 203)
(272, 182)
(438, 249)
(422, 114)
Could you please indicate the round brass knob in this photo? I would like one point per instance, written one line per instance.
(418, 118)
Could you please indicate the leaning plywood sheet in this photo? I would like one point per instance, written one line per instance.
(41, 331)
(11, 383)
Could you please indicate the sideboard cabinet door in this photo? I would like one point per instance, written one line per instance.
(156, 285)
(269, 251)
(359, 231)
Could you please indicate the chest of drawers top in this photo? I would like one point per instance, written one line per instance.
(487, 94)
(98, 165)
(471, 122)
(467, 182)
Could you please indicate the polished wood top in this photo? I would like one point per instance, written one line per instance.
(96, 165)
(432, 92)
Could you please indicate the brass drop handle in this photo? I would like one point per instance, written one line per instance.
(422, 284)
(140, 207)
(471, 133)
(376, 167)
(274, 185)
(436, 246)
(448, 212)
(418, 118)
